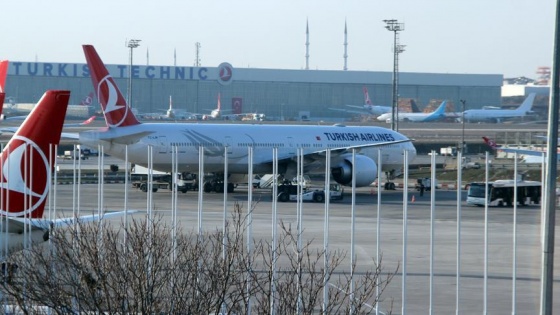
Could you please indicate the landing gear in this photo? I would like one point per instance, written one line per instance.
(390, 186)
(390, 176)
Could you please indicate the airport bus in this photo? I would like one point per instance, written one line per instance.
(500, 193)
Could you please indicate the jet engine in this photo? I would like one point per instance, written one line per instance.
(366, 170)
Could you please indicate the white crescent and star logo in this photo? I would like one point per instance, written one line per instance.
(225, 73)
(88, 100)
(111, 101)
(25, 179)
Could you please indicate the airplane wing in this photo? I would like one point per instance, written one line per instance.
(495, 146)
(351, 111)
(65, 135)
(83, 123)
(90, 218)
(335, 152)
(18, 224)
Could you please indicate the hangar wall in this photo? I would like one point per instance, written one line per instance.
(274, 92)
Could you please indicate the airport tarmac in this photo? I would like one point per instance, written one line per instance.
(471, 298)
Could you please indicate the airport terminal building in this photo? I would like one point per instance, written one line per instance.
(279, 94)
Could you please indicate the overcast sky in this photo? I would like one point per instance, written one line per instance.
(509, 37)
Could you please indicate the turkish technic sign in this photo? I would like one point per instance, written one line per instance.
(77, 70)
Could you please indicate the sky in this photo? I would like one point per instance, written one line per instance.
(509, 37)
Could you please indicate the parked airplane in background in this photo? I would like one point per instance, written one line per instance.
(498, 115)
(528, 155)
(437, 114)
(25, 171)
(125, 129)
(170, 114)
(367, 108)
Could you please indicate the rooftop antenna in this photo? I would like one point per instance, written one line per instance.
(147, 56)
(345, 47)
(175, 57)
(197, 50)
(307, 45)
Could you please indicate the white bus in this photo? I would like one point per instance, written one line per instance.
(500, 193)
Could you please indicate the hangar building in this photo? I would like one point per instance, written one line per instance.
(274, 92)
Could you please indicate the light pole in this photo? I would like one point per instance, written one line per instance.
(395, 27)
(463, 146)
(133, 43)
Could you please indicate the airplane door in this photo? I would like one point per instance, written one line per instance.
(291, 146)
(162, 144)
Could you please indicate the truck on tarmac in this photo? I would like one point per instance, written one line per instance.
(74, 155)
(289, 192)
(161, 180)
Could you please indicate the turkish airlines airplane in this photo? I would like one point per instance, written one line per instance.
(124, 129)
(528, 155)
(498, 115)
(437, 114)
(26, 164)
(367, 108)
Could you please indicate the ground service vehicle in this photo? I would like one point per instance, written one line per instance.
(74, 155)
(501, 193)
(289, 192)
(184, 183)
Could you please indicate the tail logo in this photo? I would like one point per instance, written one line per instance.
(107, 89)
(490, 142)
(24, 184)
(225, 73)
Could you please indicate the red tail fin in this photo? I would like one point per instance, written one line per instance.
(27, 160)
(491, 143)
(117, 112)
(366, 97)
(219, 103)
(3, 75)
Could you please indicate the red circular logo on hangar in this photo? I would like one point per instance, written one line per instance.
(225, 73)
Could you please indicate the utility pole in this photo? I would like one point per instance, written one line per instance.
(133, 43)
(395, 27)
(463, 144)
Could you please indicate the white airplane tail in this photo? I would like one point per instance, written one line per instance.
(527, 104)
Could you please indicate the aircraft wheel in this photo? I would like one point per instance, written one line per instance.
(207, 187)
(283, 197)
(219, 187)
(230, 187)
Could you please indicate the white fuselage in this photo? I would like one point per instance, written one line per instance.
(491, 114)
(187, 139)
(416, 117)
